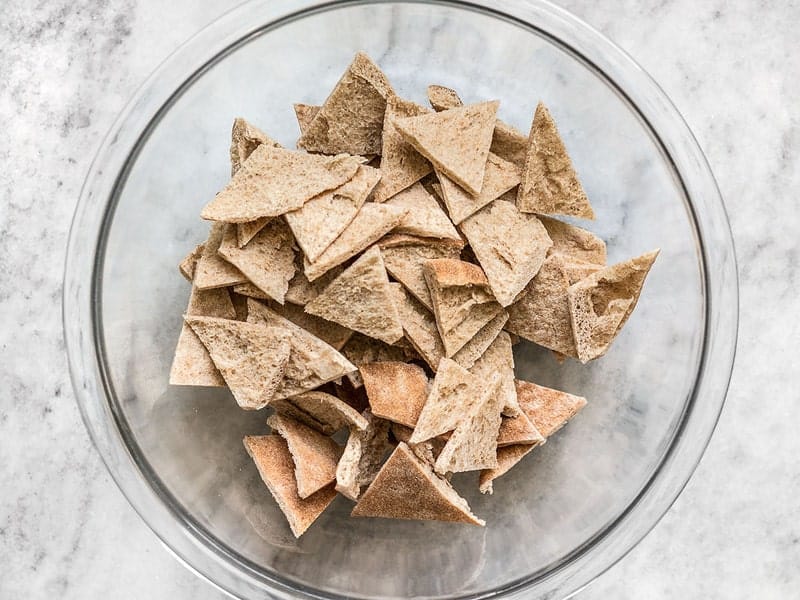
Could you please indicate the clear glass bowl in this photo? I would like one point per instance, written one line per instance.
(576, 505)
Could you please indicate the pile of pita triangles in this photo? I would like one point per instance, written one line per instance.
(375, 280)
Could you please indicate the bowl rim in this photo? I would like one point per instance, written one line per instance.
(187, 540)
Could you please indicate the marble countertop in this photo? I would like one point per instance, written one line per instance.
(68, 68)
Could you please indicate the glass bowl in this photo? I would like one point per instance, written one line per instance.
(574, 506)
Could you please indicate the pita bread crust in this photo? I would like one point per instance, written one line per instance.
(456, 141)
(424, 217)
(407, 488)
(396, 390)
(363, 456)
(274, 181)
(548, 409)
(276, 467)
(549, 182)
(212, 271)
(252, 359)
(351, 118)
(510, 246)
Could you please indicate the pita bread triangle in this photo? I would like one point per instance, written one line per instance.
(456, 141)
(321, 411)
(425, 218)
(245, 138)
(601, 303)
(507, 457)
(549, 182)
(274, 181)
(251, 358)
(361, 299)
(305, 113)
(211, 270)
(311, 361)
(548, 409)
(351, 118)
(247, 231)
(362, 456)
(519, 430)
(407, 488)
(405, 265)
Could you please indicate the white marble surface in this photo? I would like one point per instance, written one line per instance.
(67, 68)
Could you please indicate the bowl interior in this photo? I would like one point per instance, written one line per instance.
(564, 494)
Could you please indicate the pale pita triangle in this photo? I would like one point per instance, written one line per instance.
(500, 176)
(211, 270)
(245, 138)
(424, 217)
(548, 409)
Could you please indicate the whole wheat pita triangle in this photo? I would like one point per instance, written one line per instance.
(401, 165)
(407, 488)
(601, 303)
(424, 216)
(548, 409)
(245, 138)
(510, 246)
(549, 183)
(361, 299)
(574, 243)
(419, 326)
(405, 265)
(362, 456)
(267, 260)
(274, 181)
(498, 359)
(456, 141)
(211, 270)
(188, 265)
(351, 118)
(321, 411)
(251, 358)
(507, 457)
(323, 218)
(305, 113)
(311, 361)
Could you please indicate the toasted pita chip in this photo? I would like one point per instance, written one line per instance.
(549, 182)
(419, 326)
(360, 299)
(507, 457)
(276, 467)
(499, 359)
(500, 177)
(251, 358)
(548, 409)
(404, 263)
(245, 138)
(323, 218)
(451, 397)
(407, 488)
(601, 303)
(456, 141)
(361, 350)
(577, 270)
(542, 315)
(443, 98)
(351, 119)
(575, 244)
(274, 181)
(212, 271)
(476, 347)
(192, 364)
(302, 291)
(314, 454)
(518, 430)
(320, 411)
(462, 301)
(510, 246)
(396, 390)
(369, 225)
(267, 261)
(189, 262)
(329, 332)
(305, 113)
(247, 231)
(473, 445)
(311, 362)
(362, 456)
(424, 217)
(401, 164)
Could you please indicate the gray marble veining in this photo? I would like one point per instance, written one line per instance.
(68, 68)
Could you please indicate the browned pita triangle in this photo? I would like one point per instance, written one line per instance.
(245, 138)
(369, 225)
(305, 113)
(323, 218)
(510, 246)
(456, 141)
(407, 488)
(462, 301)
(189, 262)
(424, 217)
(575, 244)
(267, 260)
(601, 303)
(480, 342)
(314, 454)
(320, 411)
(211, 270)
(542, 315)
(276, 467)
(251, 358)
(361, 350)
(499, 360)
(518, 430)
(274, 181)
(549, 182)
(401, 164)
(507, 457)
(329, 332)
(396, 390)
(192, 364)
(362, 456)
(351, 119)
(548, 409)
(499, 177)
(311, 362)
(361, 299)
